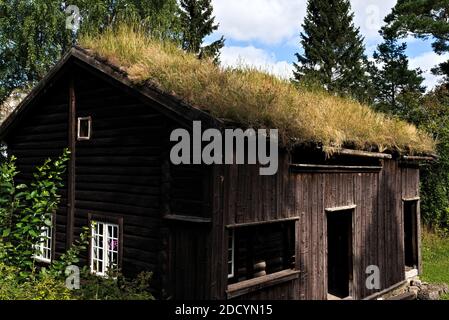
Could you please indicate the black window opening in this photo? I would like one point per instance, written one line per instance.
(411, 235)
(256, 251)
(84, 128)
(339, 253)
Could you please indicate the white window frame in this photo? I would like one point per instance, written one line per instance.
(44, 249)
(95, 257)
(231, 253)
(89, 128)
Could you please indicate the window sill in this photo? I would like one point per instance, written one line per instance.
(42, 260)
(251, 285)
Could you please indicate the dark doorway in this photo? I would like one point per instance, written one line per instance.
(339, 253)
(411, 234)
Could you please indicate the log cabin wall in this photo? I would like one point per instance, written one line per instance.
(376, 196)
(121, 175)
(42, 134)
(118, 170)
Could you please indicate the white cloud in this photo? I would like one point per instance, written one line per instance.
(277, 21)
(426, 62)
(255, 57)
(369, 16)
(267, 21)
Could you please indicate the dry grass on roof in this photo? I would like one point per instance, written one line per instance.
(254, 98)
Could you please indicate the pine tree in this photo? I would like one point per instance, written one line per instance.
(397, 86)
(197, 23)
(423, 19)
(333, 49)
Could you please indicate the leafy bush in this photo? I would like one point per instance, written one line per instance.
(432, 114)
(24, 211)
(41, 287)
(114, 288)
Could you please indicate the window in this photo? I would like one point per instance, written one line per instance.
(255, 251)
(43, 248)
(104, 248)
(231, 254)
(84, 128)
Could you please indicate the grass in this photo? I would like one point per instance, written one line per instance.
(255, 99)
(435, 255)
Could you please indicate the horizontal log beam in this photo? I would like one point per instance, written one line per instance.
(365, 154)
(256, 223)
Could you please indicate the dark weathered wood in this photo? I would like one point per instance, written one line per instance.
(419, 158)
(191, 219)
(71, 165)
(317, 168)
(249, 224)
(256, 284)
(358, 153)
(176, 219)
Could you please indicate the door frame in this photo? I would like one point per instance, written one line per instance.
(335, 211)
(418, 230)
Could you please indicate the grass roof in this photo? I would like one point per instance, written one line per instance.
(255, 99)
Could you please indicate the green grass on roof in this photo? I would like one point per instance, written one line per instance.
(254, 98)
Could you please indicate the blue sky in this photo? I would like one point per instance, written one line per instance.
(265, 33)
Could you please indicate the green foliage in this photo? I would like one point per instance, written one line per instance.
(43, 287)
(333, 50)
(433, 116)
(32, 37)
(71, 256)
(33, 34)
(396, 86)
(435, 258)
(26, 210)
(197, 23)
(115, 287)
(423, 19)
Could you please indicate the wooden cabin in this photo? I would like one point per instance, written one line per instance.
(218, 231)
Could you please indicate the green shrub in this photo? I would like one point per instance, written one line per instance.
(115, 287)
(24, 211)
(41, 287)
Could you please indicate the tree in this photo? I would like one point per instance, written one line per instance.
(433, 116)
(333, 49)
(197, 23)
(396, 86)
(33, 34)
(422, 19)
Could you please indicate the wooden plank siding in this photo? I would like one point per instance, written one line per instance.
(242, 196)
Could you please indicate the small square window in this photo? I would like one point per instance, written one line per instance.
(84, 128)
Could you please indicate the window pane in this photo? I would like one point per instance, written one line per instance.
(261, 250)
(105, 247)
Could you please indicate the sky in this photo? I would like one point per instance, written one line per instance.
(265, 34)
